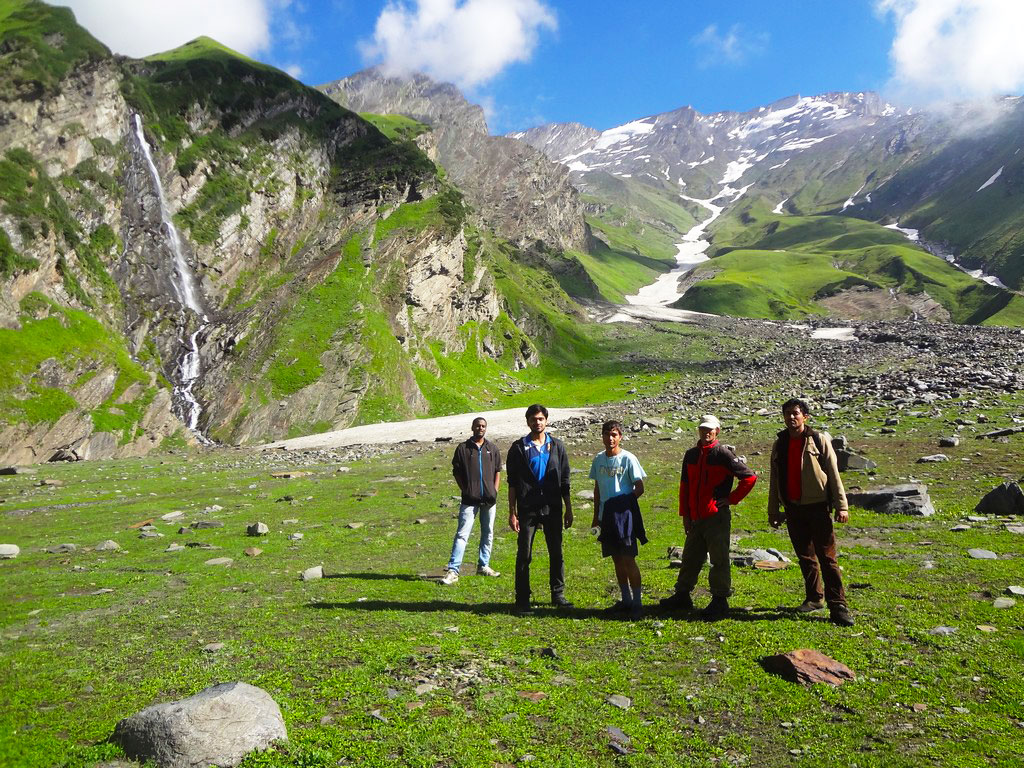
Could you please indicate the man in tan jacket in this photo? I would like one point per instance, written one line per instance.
(805, 481)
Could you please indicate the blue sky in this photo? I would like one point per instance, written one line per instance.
(601, 62)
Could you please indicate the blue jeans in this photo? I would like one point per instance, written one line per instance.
(466, 514)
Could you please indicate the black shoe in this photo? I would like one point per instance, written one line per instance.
(680, 601)
(840, 615)
(615, 609)
(523, 609)
(559, 601)
(636, 612)
(716, 609)
(808, 606)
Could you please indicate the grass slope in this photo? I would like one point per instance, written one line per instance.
(776, 266)
(105, 634)
(396, 127)
(637, 226)
(78, 343)
(41, 45)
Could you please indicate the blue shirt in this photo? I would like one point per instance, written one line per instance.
(538, 457)
(615, 475)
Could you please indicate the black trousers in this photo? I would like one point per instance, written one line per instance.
(552, 526)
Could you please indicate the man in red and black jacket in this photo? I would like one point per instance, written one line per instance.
(705, 497)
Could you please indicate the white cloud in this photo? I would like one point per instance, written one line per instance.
(955, 50)
(295, 70)
(732, 47)
(143, 27)
(467, 42)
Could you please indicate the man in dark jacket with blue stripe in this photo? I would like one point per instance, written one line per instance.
(476, 467)
(538, 488)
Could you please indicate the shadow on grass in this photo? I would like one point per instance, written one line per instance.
(540, 610)
(424, 606)
(374, 576)
(756, 614)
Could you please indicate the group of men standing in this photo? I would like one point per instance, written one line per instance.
(805, 492)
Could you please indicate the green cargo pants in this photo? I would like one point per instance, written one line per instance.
(709, 536)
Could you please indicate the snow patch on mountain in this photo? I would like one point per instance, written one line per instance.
(850, 199)
(778, 208)
(911, 234)
(992, 179)
(689, 253)
(806, 107)
(622, 133)
(736, 168)
(802, 143)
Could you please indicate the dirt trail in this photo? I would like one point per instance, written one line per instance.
(507, 423)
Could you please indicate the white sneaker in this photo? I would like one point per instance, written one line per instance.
(450, 577)
(486, 570)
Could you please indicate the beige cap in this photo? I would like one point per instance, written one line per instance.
(710, 422)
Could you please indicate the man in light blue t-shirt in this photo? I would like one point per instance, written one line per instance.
(618, 483)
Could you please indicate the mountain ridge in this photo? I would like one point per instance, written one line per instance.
(337, 270)
(842, 154)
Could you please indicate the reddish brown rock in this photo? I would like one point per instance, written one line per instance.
(807, 666)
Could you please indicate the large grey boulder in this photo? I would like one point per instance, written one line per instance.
(847, 460)
(9, 551)
(257, 529)
(907, 499)
(1005, 499)
(218, 726)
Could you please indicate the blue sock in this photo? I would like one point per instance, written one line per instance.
(627, 595)
(636, 595)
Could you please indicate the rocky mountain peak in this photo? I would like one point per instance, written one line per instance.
(516, 190)
(416, 95)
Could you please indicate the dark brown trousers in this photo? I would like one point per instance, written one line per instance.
(814, 541)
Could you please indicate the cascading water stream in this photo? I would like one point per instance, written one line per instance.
(185, 290)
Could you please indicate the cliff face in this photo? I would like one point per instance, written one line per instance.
(516, 189)
(199, 240)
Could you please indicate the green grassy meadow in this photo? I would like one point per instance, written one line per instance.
(89, 637)
(777, 266)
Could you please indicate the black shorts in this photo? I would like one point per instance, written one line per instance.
(617, 548)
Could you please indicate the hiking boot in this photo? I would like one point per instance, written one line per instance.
(636, 612)
(615, 609)
(840, 615)
(486, 570)
(523, 609)
(680, 601)
(450, 577)
(559, 601)
(807, 606)
(716, 609)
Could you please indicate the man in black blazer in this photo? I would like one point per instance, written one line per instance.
(538, 489)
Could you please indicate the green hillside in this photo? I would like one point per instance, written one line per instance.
(982, 226)
(778, 266)
(39, 46)
(636, 226)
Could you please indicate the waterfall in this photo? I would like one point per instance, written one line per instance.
(186, 292)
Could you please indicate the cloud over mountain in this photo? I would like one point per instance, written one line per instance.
(955, 50)
(467, 43)
(139, 28)
(733, 46)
